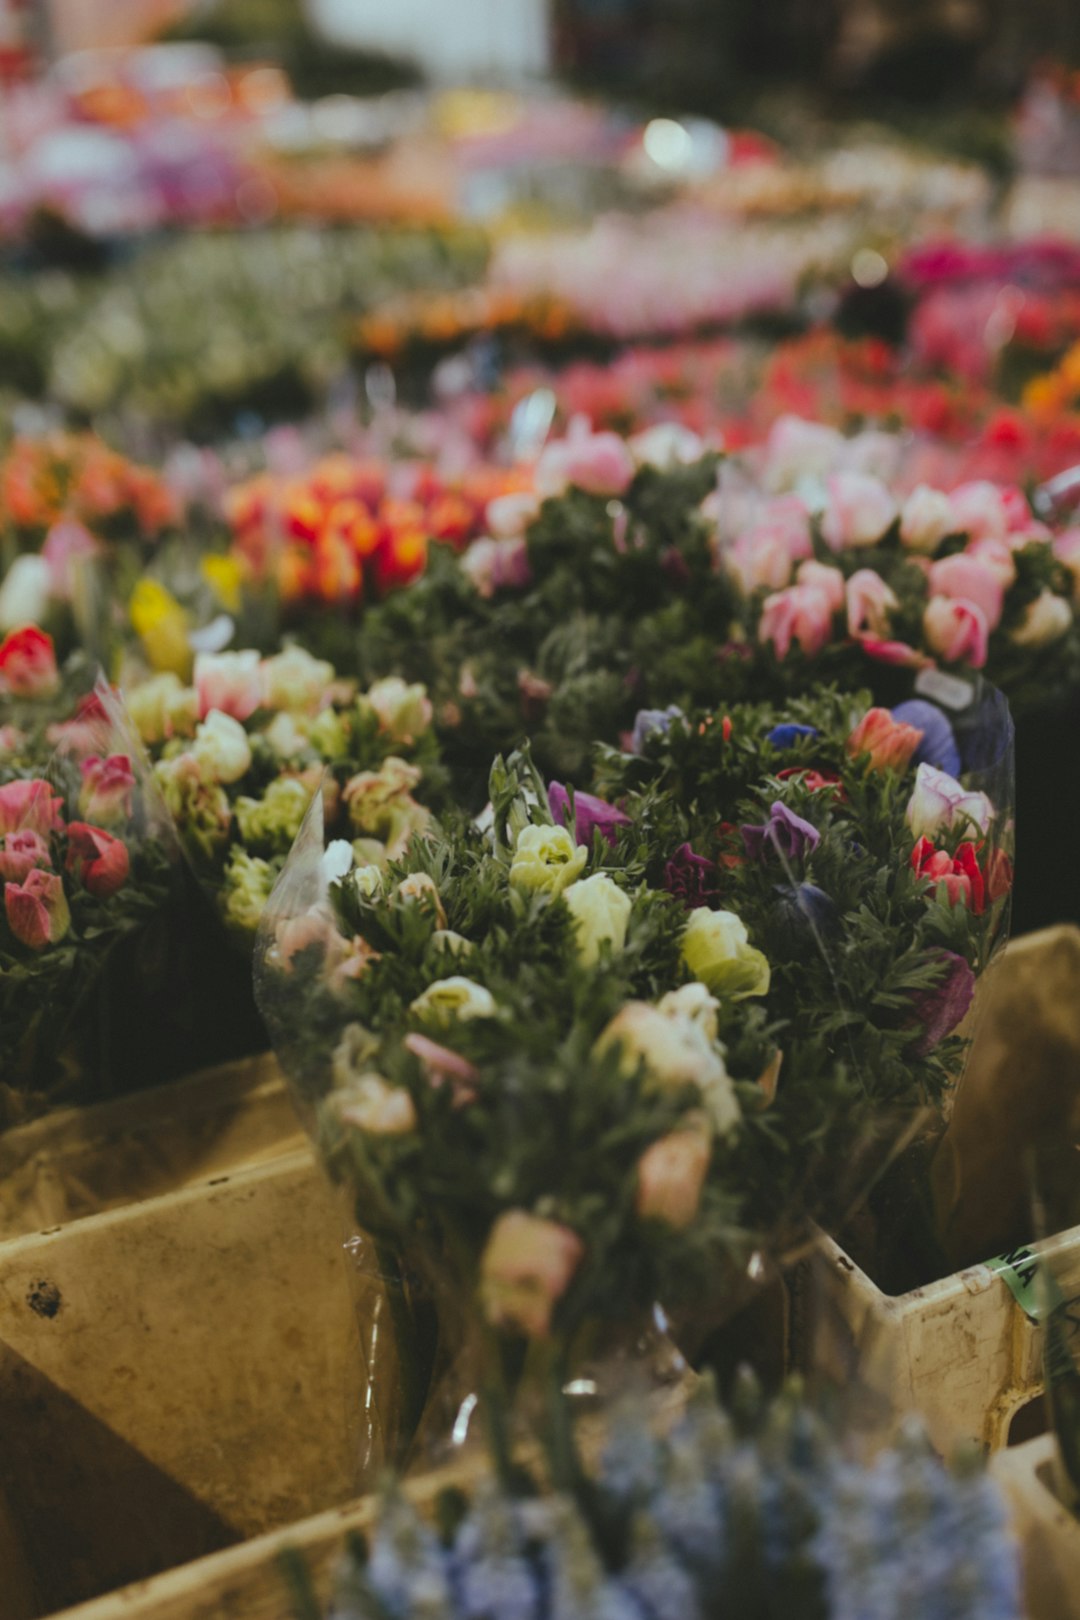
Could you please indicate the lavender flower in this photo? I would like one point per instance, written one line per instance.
(650, 722)
(784, 834)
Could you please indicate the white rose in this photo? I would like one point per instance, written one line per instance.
(601, 911)
(26, 592)
(457, 998)
(221, 748)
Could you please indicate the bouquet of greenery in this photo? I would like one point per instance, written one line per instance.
(763, 1512)
(89, 866)
(240, 752)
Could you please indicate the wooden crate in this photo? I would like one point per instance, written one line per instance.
(962, 1350)
(176, 1376)
(81, 1161)
(1049, 1534)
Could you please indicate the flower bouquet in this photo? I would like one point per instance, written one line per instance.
(598, 1053)
(239, 754)
(89, 864)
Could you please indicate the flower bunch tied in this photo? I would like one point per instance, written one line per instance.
(87, 860)
(240, 752)
(872, 867)
(844, 578)
(511, 1061)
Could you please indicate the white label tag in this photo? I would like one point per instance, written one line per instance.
(950, 690)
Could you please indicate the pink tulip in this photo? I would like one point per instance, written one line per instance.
(599, 463)
(671, 1174)
(869, 603)
(897, 653)
(859, 511)
(107, 788)
(28, 663)
(29, 804)
(801, 613)
(525, 1269)
(760, 558)
(67, 545)
(824, 578)
(995, 555)
(20, 852)
(982, 510)
(956, 630)
(971, 580)
(440, 1065)
(37, 909)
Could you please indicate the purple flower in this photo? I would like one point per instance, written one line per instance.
(938, 1011)
(691, 877)
(938, 746)
(647, 722)
(784, 834)
(590, 814)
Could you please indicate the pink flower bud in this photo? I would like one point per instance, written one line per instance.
(37, 910)
(823, 578)
(860, 510)
(29, 804)
(20, 852)
(229, 681)
(526, 1268)
(671, 1174)
(972, 580)
(869, 603)
(801, 613)
(107, 788)
(956, 631)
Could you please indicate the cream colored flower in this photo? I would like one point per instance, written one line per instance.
(717, 951)
(449, 1000)
(601, 911)
(546, 858)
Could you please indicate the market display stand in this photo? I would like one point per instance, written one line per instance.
(1048, 1533)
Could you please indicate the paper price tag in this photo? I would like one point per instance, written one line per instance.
(949, 690)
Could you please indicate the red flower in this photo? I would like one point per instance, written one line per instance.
(28, 663)
(813, 781)
(959, 875)
(100, 861)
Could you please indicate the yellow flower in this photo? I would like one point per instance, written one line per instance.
(162, 625)
(717, 951)
(225, 575)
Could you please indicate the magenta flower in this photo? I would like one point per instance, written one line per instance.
(784, 834)
(590, 814)
(692, 878)
(940, 1010)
